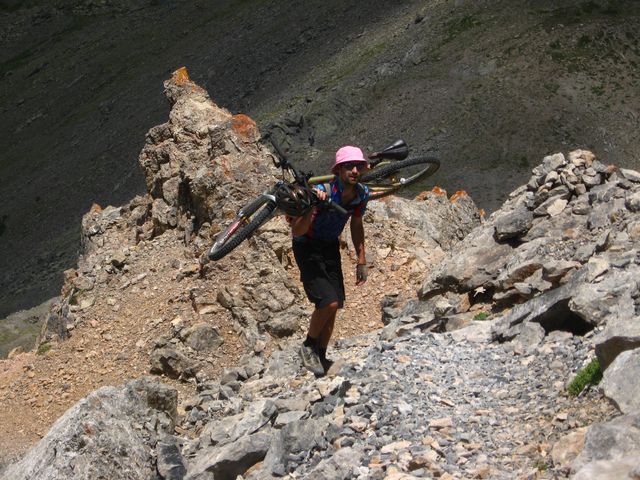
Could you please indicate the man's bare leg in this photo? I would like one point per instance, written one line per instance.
(313, 350)
(321, 318)
(327, 331)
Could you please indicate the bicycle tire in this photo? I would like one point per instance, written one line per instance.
(383, 172)
(380, 184)
(258, 211)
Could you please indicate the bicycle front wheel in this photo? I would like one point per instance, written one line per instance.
(389, 177)
(249, 219)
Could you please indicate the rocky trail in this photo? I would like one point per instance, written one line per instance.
(428, 405)
(157, 364)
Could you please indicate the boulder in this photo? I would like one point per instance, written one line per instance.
(513, 224)
(625, 394)
(550, 310)
(111, 433)
(256, 416)
(170, 463)
(172, 363)
(294, 438)
(230, 460)
(202, 337)
(612, 447)
(471, 264)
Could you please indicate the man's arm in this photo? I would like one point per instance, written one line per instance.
(300, 225)
(357, 235)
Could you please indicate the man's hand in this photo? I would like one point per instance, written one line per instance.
(321, 194)
(361, 273)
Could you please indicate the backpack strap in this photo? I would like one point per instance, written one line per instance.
(363, 192)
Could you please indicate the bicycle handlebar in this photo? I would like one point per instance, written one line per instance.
(331, 205)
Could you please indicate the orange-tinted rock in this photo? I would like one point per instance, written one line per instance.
(245, 127)
(458, 194)
(181, 76)
(422, 195)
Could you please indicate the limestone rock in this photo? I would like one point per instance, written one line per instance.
(609, 446)
(513, 224)
(616, 385)
(202, 337)
(171, 363)
(230, 460)
(116, 440)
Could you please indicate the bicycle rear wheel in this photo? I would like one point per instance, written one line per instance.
(389, 177)
(248, 220)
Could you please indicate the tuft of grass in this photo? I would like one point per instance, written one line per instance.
(542, 465)
(589, 375)
(43, 348)
(481, 316)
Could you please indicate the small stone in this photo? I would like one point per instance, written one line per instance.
(395, 446)
(439, 423)
(86, 302)
(630, 175)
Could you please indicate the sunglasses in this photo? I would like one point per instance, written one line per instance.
(349, 165)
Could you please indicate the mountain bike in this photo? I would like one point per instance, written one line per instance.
(390, 170)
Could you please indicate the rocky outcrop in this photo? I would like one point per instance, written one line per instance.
(421, 405)
(561, 254)
(611, 451)
(200, 168)
(112, 433)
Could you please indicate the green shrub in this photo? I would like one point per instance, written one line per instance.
(43, 348)
(481, 316)
(589, 375)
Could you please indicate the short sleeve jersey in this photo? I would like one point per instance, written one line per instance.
(327, 225)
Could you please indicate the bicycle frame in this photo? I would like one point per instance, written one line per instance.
(381, 181)
(398, 150)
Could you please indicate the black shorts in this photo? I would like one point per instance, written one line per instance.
(320, 271)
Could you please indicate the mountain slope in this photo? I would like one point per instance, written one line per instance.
(489, 86)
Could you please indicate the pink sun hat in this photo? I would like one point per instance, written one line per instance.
(346, 154)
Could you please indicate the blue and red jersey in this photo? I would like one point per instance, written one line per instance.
(327, 225)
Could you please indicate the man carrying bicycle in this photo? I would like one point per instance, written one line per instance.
(317, 252)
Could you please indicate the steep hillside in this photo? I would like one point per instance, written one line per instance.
(490, 86)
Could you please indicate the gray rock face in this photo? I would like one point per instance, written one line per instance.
(563, 255)
(231, 460)
(612, 446)
(435, 217)
(620, 383)
(513, 224)
(549, 309)
(171, 363)
(472, 264)
(112, 433)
